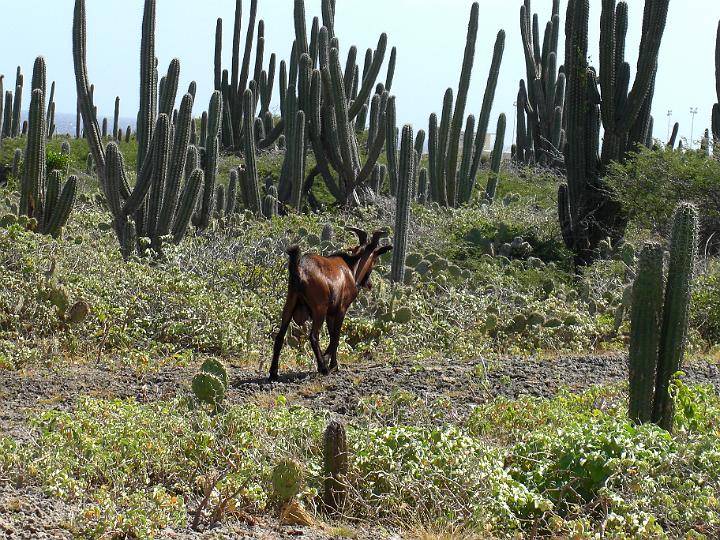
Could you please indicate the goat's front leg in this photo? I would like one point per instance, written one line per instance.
(280, 338)
(318, 321)
(334, 327)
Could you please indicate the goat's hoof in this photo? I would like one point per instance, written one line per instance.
(273, 378)
(324, 371)
(334, 368)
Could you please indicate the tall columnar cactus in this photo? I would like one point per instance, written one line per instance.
(17, 104)
(8, 118)
(252, 187)
(402, 209)
(676, 310)
(234, 82)
(41, 197)
(148, 85)
(297, 166)
(496, 159)
(2, 105)
(162, 168)
(716, 106)
(50, 112)
(660, 315)
(450, 185)
(335, 466)
(543, 103)
(587, 212)
(646, 317)
(116, 120)
(212, 153)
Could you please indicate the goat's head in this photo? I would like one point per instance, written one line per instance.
(368, 253)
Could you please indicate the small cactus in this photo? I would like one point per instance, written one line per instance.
(335, 454)
(217, 368)
(208, 388)
(287, 480)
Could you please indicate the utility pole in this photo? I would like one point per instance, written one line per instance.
(693, 112)
(669, 116)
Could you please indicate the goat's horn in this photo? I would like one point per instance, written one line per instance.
(381, 233)
(362, 235)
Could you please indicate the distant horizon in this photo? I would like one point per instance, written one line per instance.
(424, 69)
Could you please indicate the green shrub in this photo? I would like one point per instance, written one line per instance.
(57, 161)
(652, 182)
(705, 312)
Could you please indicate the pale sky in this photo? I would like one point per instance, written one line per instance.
(429, 35)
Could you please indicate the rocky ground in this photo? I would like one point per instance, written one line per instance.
(26, 513)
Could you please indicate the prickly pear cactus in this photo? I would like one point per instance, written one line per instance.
(217, 368)
(287, 480)
(208, 388)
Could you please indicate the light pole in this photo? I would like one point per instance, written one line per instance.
(693, 112)
(669, 115)
(514, 121)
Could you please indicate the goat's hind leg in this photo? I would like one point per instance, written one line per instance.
(287, 314)
(318, 319)
(334, 324)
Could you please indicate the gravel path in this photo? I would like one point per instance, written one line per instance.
(26, 513)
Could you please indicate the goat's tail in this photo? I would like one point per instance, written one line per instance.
(294, 266)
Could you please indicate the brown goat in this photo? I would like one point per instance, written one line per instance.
(321, 289)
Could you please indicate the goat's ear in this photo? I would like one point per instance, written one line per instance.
(379, 252)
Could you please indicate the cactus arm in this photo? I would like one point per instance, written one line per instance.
(496, 160)
(488, 100)
(369, 81)
(181, 139)
(92, 129)
(63, 208)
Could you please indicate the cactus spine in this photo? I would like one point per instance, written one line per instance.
(402, 210)
(659, 327)
(335, 460)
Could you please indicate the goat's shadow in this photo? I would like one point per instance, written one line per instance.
(262, 381)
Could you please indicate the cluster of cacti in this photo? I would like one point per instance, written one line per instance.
(234, 83)
(659, 321)
(157, 207)
(335, 466)
(429, 266)
(541, 100)
(210, 385)
(450, 185)
(42, 195)
(406, 175)
(587, 211)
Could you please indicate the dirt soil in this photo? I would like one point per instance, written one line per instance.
(26, 513)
